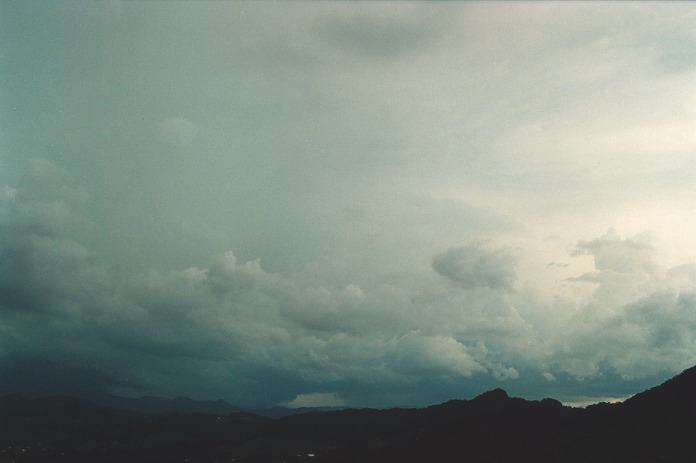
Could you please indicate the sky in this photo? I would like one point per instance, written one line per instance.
(349, 204)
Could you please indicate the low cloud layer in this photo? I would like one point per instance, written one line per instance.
(234, 326)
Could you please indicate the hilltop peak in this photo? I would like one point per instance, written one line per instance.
(494, 395)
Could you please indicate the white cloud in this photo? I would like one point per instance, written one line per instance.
(586, 401)
(316, 399)
(415, 354)
(611, 252)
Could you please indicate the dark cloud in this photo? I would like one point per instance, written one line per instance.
(233, 329)
(476, 266)
(41, 376)
(224, 324)
(255, 201)
(382, 35)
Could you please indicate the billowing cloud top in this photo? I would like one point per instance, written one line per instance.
(346, 204)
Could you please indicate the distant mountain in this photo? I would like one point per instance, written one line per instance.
(653, 426)
(149, 404)
(160, 405)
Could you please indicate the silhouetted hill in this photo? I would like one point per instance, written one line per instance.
(676, 395)
(149, 404)
(282, 412)
(159, 405)
(653, 426)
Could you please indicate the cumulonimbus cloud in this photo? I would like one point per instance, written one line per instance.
(59, 303)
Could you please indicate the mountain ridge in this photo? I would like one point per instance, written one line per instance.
(652, 426)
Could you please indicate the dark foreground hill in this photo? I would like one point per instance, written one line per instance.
(657, 425)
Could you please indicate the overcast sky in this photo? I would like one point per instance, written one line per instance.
(367, 204)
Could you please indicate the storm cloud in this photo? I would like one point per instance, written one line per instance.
(346, 204)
